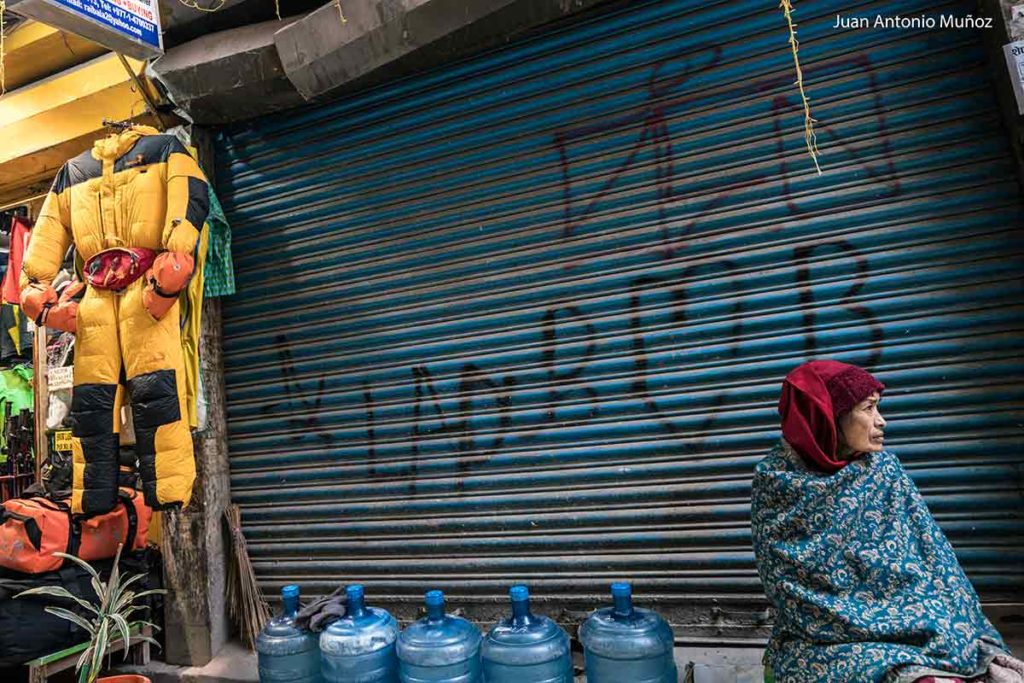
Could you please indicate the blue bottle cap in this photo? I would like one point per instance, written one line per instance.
(290, 591)
(434, 598)
(519, 593)
(621, 589)
(354, 592)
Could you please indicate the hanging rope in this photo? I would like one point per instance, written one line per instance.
(194, 4)
(3, 54)
(809, 135)
(340, 13)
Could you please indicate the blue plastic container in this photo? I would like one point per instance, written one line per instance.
(626, 643)
(286, 653)
(360, 647)
(526, 648)
(440, 648)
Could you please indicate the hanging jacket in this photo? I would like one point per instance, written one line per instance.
(158, 201)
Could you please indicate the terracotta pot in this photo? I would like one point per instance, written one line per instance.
(123, 678)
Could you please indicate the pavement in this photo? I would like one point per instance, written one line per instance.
(233, 664)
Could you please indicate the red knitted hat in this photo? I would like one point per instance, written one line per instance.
(850, 387)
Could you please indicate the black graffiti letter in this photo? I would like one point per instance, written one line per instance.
(558, 391)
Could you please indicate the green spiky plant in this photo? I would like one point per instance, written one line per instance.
(109, 617)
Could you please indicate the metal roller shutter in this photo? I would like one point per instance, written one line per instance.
(526, 318)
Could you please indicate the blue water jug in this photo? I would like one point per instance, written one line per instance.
(627, 643)
(285, 653)
(360, 647)
(526, 648)
(440, 648)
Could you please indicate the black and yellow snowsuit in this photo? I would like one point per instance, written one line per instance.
(133, 189)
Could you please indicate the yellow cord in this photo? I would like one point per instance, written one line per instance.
(809, 135)
(340, 13)
(277, 9)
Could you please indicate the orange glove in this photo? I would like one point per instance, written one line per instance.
(40, 302)
(64, 315)
(36, 300)
(169, 275)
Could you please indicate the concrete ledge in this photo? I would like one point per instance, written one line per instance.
(227, 76)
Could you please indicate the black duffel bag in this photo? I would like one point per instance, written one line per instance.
(27, 631)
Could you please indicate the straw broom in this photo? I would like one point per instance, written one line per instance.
(246, 605)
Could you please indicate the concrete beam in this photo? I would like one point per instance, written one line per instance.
(346, 41)
(227, 76)
(343, 46)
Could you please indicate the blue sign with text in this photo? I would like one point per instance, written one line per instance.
(134, 19)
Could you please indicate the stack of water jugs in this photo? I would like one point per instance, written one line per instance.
(621, 643)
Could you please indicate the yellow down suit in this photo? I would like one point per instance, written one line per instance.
(137, 188)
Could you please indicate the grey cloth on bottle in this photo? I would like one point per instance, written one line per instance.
(318, 614)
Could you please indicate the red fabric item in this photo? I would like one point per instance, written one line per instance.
(118, 267)
(808, 414)
(21, 231)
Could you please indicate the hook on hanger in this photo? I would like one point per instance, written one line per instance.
(117, 126)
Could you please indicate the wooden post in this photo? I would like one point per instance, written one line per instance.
(40, 397)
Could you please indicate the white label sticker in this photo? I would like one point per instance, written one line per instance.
(60, 378)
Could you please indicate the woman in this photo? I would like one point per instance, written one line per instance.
(865, 585)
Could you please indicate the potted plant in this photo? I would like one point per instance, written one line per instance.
(105, 621)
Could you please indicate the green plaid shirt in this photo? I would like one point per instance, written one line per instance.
(218, 272)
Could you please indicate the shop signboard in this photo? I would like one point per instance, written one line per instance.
(131, 27)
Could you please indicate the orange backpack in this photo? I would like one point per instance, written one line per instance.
(32, 529)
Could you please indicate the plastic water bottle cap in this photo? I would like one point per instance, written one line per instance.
(621, 590)
(434, 598)
(354, 592)
(290, 591)
(519, 593)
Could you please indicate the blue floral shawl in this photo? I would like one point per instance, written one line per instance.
(864, 582)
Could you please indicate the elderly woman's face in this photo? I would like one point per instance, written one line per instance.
(862, 430)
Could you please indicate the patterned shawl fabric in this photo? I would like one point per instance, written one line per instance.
(865, 585)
